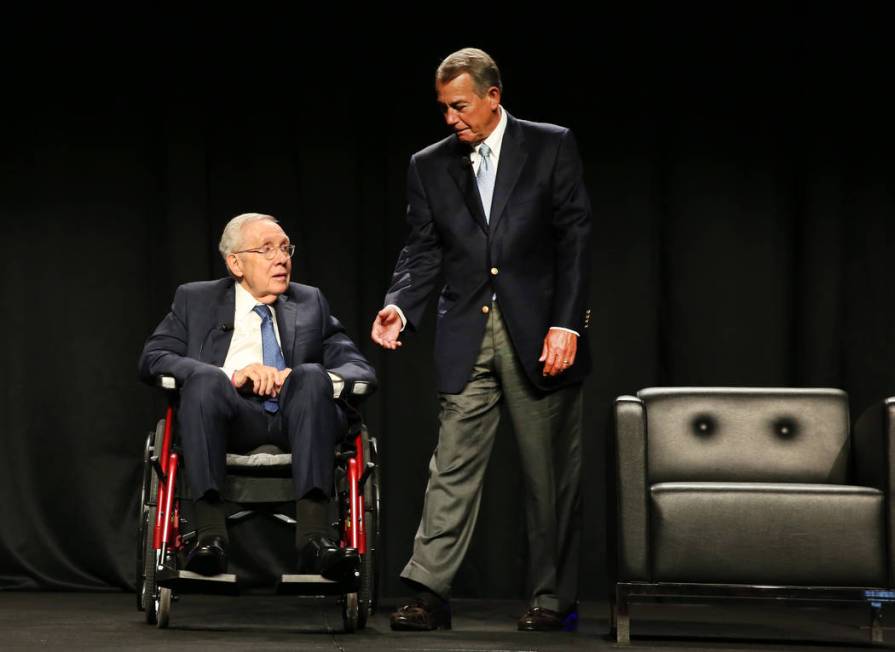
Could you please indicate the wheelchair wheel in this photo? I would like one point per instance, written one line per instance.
(140, 575)
(162, 607)
(350, 613)
(145, 584)
(369, 580)
(147, 589)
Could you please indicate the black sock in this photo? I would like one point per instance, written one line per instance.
(312, 516)
(424, 594)
(210, 517)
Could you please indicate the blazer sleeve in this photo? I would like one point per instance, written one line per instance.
(572, 229)
(419, 263)
(165, 350)
(340, 354)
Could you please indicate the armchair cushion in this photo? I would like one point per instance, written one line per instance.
(768, 533)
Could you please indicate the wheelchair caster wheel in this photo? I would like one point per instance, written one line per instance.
(163, 608)
(350, 612)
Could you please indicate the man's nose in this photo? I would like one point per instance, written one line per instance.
(450, 117)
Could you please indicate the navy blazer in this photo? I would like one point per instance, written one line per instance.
(198, 330)
(534, 254)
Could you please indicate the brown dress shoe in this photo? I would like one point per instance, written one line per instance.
(418, 616)
(538, 619)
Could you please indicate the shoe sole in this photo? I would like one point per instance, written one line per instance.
(409, 627)
(207, 566)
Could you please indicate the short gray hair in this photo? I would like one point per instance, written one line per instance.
(231, 238)
(478, 63)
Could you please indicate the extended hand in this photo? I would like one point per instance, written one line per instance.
(559, 351)
(265, 381)
(387, 328)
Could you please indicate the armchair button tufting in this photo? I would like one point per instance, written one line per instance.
(785, 428)
(703, 425)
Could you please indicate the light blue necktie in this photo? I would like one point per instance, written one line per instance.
(270, 350)
(485, 179)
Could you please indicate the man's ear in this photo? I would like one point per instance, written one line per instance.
(234, 266)
(494, 96)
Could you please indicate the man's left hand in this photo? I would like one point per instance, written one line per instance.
(559, 351)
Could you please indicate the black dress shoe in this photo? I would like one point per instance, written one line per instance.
(209, 556)
(538, 619)
(421, 616)
(322, 556)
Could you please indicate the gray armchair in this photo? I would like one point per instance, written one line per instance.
(752, 493)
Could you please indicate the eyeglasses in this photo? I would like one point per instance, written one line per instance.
(270, 251)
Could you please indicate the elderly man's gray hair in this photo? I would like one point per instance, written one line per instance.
(478, 63)
(231, 238)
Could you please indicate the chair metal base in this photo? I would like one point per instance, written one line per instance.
(628, 592)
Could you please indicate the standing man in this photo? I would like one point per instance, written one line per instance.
(500, 211)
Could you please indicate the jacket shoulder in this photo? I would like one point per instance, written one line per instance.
(202, 287)
(302, 292)
(542, 129)
(444, 148)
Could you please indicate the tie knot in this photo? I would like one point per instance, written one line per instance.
(484, 151)
(263, 311)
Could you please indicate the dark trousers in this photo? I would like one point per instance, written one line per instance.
(215, 419)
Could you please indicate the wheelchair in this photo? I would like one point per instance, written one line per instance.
(262, 476)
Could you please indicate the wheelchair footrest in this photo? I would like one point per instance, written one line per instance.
(309, 585)
(184, 581)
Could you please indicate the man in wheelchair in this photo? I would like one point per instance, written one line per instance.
(260, 360)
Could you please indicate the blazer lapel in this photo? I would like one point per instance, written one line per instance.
(215, 352)
(287, 313)
(512, 159)
(460, 170)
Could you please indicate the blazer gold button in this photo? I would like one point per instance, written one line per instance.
(494, 271)
(486, 309)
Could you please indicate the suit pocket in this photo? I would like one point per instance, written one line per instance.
(446, 301)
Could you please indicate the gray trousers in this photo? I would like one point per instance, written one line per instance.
(548, 432)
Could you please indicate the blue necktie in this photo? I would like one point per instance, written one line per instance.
(270, 351)
(485, 179)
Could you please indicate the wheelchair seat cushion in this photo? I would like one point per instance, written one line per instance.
(267, 457)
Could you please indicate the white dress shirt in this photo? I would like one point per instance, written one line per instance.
(493, 141)
(245, 347)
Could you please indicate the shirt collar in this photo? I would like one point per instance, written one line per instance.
(495, 138)
(245, 302)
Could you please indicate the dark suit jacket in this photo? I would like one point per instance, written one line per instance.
(197, 333)
(537, 242)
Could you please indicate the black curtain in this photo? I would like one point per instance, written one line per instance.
(739, 164)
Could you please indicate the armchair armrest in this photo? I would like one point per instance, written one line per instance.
(633, 492)
(874, 449)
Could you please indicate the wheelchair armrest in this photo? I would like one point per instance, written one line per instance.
(360, 388)
(166, 382)
(350, 390)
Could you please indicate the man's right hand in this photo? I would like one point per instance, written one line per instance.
(386, 329)
(265, 381)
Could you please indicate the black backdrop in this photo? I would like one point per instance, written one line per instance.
(740, 167)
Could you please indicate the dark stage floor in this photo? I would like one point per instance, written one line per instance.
(261, 622)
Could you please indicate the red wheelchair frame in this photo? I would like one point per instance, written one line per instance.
(160, 538)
